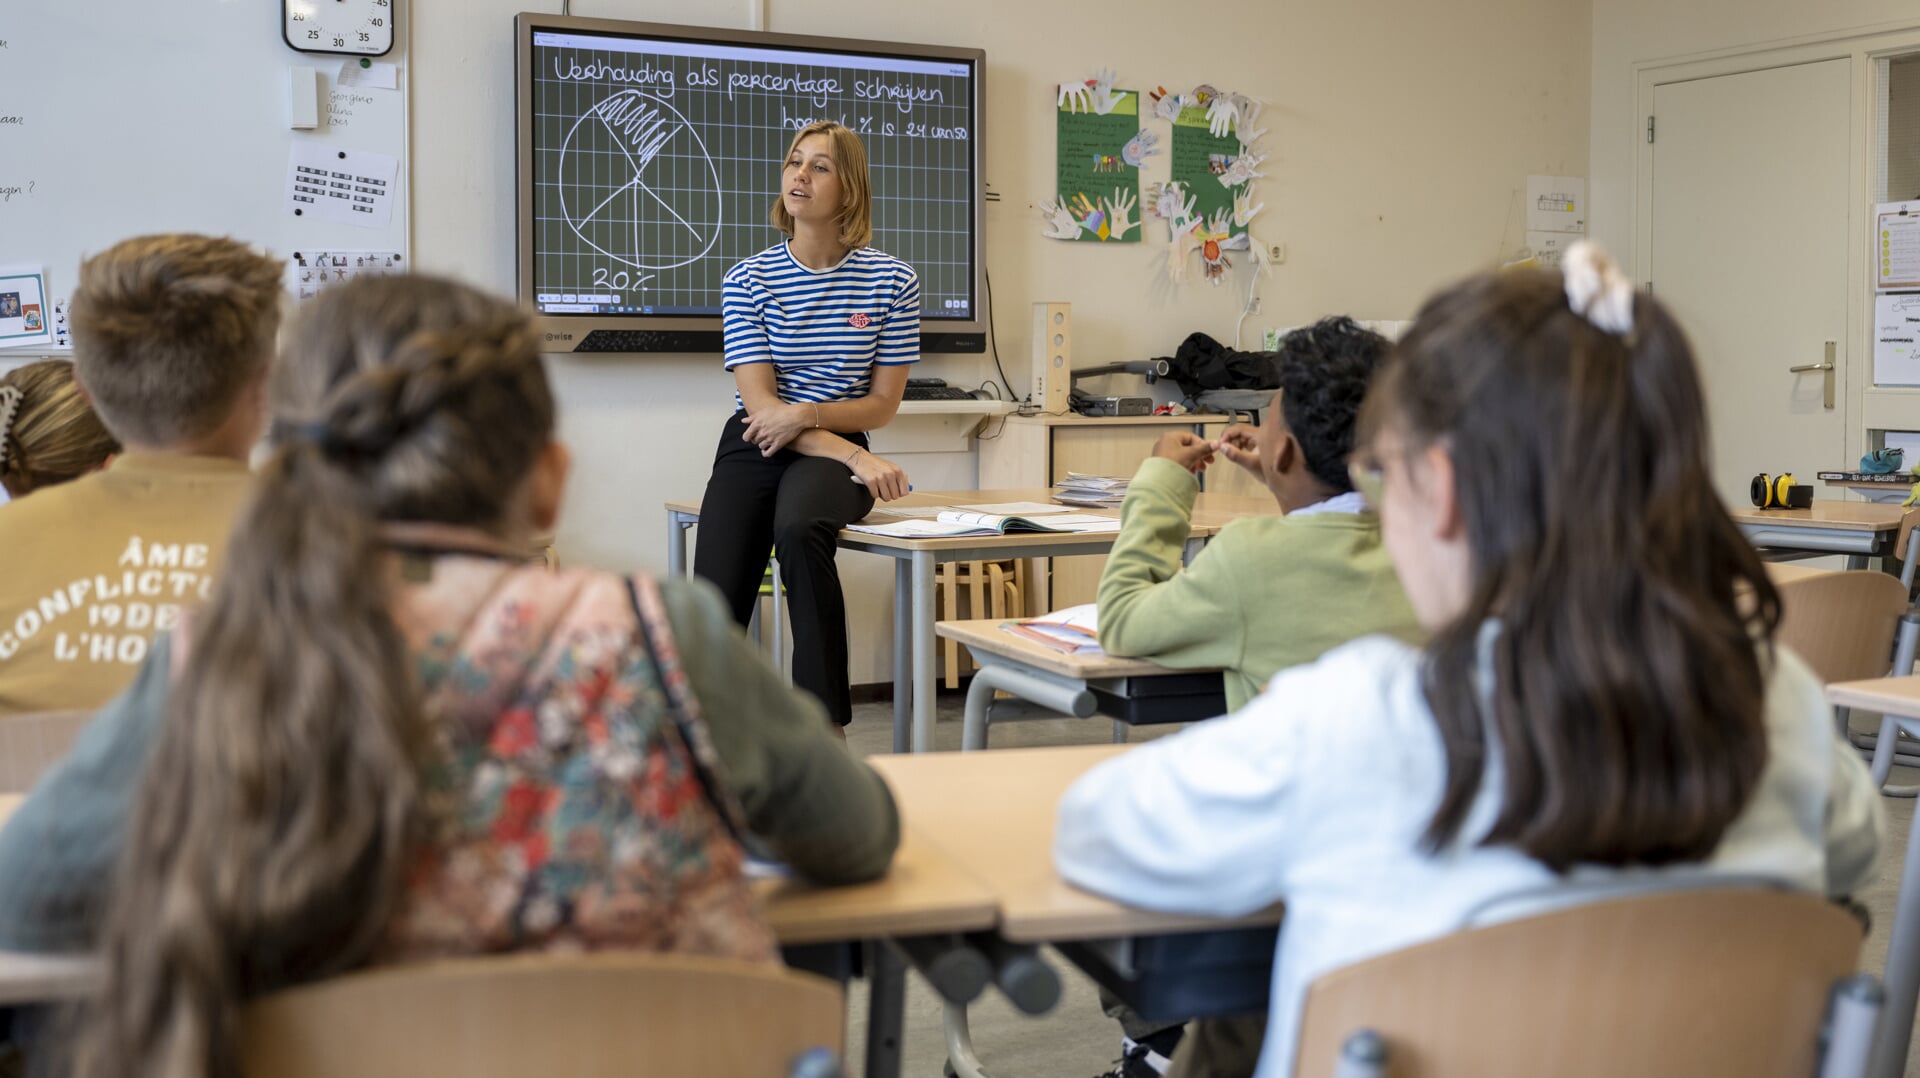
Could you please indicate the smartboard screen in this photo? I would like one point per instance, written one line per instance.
(654, 160)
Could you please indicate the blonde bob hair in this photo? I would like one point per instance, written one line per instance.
(856, 193)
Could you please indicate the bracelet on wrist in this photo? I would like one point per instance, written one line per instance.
(816, 416)
(857, 450)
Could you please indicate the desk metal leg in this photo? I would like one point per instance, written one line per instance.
(677, 525)
(1856, 562)
(887, 1009)
(902, 654)
(923, 643)
(1064, 695)
(1191, 549)
(960, 1056)
(1903, 970)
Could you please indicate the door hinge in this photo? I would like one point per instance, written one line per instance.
(1649, 129)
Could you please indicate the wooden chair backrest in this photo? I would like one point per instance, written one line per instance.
(29, 744)
(1704, 982)
(1842, 623)
(592, 1016)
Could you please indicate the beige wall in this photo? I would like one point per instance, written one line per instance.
(1626, 32)
(1402, 133)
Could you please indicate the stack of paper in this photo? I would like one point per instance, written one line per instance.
(1099, 491)
(1075, 630)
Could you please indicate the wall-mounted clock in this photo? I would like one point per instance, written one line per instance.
(350, 27)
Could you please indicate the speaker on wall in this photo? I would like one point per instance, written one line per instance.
(1052, 355)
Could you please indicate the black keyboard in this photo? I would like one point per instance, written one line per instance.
(936, 393)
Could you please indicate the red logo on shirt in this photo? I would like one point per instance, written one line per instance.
(859, 321)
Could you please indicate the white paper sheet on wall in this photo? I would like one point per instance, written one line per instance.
(1556, 204)
(1550, 247)
(349, 187)
(310, 272)
(1896, 240)
(1896, 340)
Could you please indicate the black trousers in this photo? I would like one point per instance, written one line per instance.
(793, 505)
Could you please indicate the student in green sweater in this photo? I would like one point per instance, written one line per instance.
(1267, 592)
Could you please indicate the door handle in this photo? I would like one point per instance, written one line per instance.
(1826, 368)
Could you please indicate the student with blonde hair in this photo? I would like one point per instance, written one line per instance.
(821, 330)
(171, 338)
(49, 434)
(389, 738)
(1601, 697)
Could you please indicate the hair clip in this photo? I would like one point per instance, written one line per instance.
(10, 398)
(1597, 290)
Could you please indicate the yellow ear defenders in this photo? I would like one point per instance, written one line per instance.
(1770, 492)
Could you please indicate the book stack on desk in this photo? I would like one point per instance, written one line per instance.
(1888, 479)
(1095, 491)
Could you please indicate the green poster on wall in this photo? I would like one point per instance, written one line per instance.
(1098, 189)
(1200, 159)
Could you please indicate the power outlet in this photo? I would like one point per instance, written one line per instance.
(1277, 253)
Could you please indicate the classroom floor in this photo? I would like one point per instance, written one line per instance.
(1076, 1040)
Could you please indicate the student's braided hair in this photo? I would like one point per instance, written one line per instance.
(270, 840)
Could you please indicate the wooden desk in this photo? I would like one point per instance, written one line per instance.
(1898, 701)
(1131, 691)
(925, 892)
(1857, 529)
(993, 814)
(913, 581)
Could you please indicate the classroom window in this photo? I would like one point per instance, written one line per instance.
(1898, 128)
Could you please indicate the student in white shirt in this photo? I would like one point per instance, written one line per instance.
(1601, 695)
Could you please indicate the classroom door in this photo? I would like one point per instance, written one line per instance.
(1749, 250)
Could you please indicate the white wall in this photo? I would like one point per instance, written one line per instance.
(1402, 132)
(1626, 32)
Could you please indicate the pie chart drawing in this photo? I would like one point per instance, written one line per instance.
(637, 183)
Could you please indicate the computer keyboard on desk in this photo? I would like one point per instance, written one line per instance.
(936, 393)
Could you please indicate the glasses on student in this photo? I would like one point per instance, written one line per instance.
(1369, 479)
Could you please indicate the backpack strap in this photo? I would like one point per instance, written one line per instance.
(657, 634)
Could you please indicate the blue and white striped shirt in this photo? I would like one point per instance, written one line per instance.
(823, 330)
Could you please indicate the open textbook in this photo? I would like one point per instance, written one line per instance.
(1074, 630)
(953, 523)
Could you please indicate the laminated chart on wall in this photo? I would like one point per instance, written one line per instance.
(312, 271)
(1097, 175)
(1896, 340)
(25, 316)
(1896, 241)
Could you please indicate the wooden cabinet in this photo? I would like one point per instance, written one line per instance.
(1036, 451)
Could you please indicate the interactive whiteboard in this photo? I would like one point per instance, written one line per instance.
(650, 155)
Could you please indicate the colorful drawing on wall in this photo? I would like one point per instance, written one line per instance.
(1209, 204)
(1097, 176)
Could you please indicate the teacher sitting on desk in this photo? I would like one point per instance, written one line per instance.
(820, 332)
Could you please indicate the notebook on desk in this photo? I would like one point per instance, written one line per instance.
(954, 523)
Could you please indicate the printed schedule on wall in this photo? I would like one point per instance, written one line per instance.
(655, 163)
